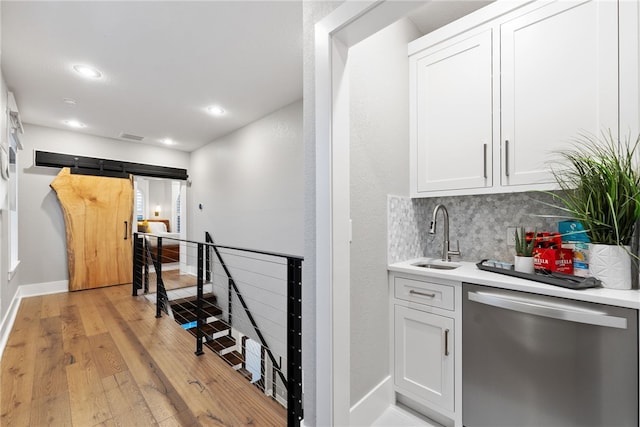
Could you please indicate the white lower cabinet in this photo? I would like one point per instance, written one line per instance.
(424, 355)
(424, 312)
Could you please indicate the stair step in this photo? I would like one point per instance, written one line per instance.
(215, 333)
(211, 310)
(212, 330)
(183, 317)
(206, 331)
(191, 305)
(220, 326)
(211, 298)
(234, 359)
(186, 315)
(219, 345)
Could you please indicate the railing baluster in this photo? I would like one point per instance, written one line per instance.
(145, 260)
(230, 301)
(294, 342)
(207, 259)
(274, 379)
(159, 283)
(199, 313)
(137, 266)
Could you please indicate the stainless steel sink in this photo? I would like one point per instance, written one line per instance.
(436, 266)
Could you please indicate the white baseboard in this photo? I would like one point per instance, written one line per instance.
(7, 322)
(281, 400)
(44, 288)
(372, 406)
(25, 291)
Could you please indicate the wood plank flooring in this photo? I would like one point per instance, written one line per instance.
(101, 358)
(172, 280)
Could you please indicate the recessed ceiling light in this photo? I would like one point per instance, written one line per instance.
(167, 141)
(87, 71)
(74, 124)
(216, 110)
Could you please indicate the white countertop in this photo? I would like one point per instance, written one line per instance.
(468, 272)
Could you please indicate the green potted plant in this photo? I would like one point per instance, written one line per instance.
(600, 184)
(523, 260)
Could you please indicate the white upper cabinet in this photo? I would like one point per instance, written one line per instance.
(452, 98)
(496, 93)
(559, 76)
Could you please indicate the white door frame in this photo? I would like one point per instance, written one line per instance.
(349, 24)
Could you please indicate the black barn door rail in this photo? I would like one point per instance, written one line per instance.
(106, 167)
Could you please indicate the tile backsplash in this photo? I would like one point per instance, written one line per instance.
(479, 223)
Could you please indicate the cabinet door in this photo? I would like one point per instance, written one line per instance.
(451, 115)
(559, 77)
(424, 355)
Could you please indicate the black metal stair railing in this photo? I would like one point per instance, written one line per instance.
(293, 380)
(233, 288)
(142, 254)
(231, 283)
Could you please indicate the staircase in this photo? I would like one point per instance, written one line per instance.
(217, 332)
(282, 380)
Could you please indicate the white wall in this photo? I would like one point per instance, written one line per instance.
(42, 241)
(160, 195)
(379, 155)
(7, 288)
(250, 185)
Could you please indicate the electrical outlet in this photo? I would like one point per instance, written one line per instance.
(511, 236)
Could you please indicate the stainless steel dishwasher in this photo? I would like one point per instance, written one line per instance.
(533, 360)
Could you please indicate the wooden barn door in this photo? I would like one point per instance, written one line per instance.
(97, 214)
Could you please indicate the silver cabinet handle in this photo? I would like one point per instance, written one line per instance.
(564, 311)
(506, 157)
(446, 342)
(424, 294)
(484, 154)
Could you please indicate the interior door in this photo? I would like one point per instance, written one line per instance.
(97, 213)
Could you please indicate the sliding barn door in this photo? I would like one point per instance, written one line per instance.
(97, 214)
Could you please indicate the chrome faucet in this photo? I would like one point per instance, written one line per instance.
(446, 251)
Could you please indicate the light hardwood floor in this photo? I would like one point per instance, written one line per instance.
(172, 280)
(101, 358)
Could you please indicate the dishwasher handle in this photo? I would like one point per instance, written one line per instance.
(559, 311)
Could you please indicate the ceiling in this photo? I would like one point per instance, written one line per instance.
(163, 63)
(436, 13)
